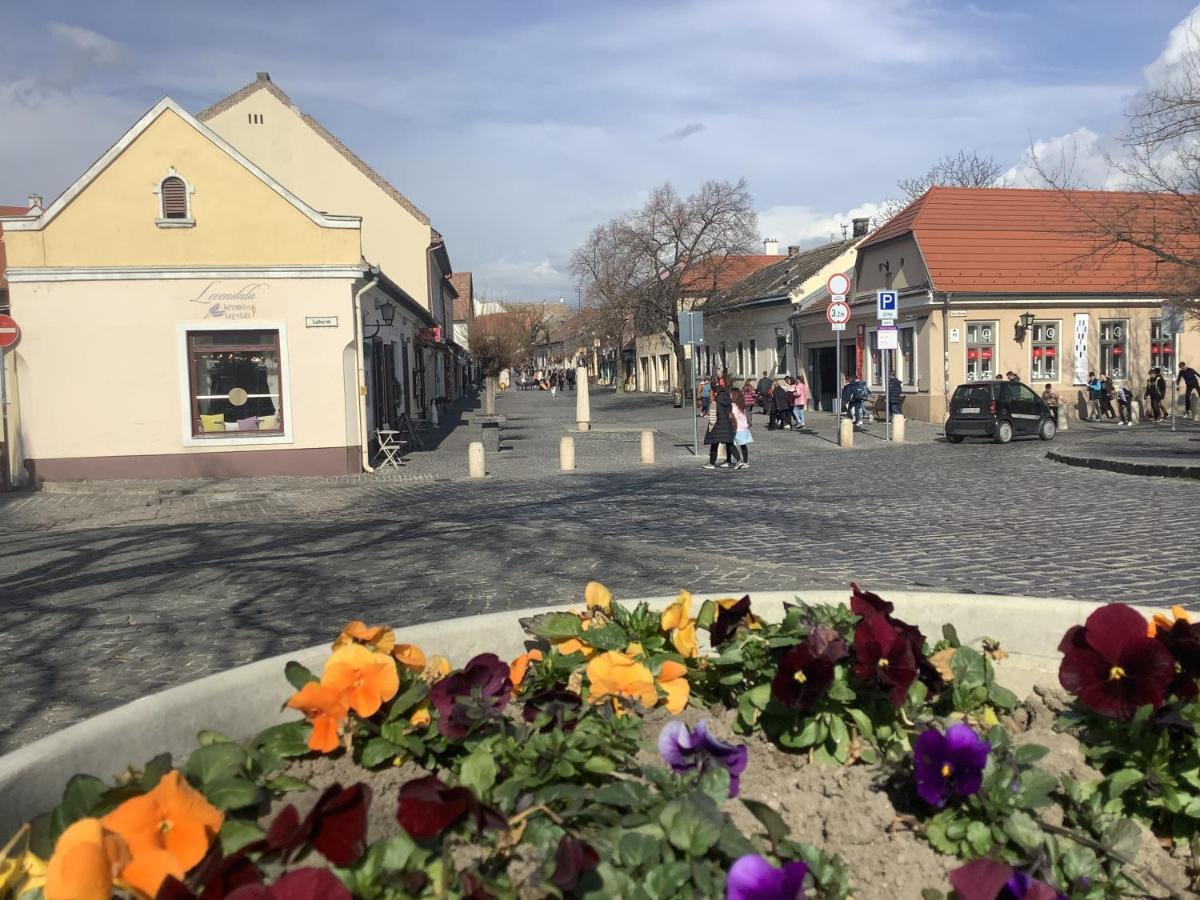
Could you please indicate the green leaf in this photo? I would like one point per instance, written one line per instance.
(707, 614)
(237, 833)
(153, 771)
(478, 772)
(714, 782)
(284, 741)
(297, 675)
(838, 733)
(1024, 829)
(777, 829)
(555, 626)
(82, 794)
(609, 637)
(758, 696)
(841, 692)
(1120, 782)
(283, 784)
(1028, 754)
(693, 824)
(378, 751)
(979, 836)
(1123, 838)
(622, 794)
(216, 761)
(968, 668)
(204, 738)
(863, 721)
(663, 882)
(600, 765)
(950, 634)
(404, 704)
(635, 849)
(231, 792)
(1002, 697)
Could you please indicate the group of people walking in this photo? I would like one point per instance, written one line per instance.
(730, 413)
(548, 380)
(1103, 392)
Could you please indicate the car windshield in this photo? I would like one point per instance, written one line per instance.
(972, 395)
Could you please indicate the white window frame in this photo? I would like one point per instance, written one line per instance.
(1123, 341)
(187, 221)
(1058, 352)
(995, 345)
(869, 360)
(185, 386)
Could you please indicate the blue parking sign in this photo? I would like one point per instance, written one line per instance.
(887, 303)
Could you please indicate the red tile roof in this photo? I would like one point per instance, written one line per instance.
(719, 273)
(464, 304)
(1014, 240)
(7, 211)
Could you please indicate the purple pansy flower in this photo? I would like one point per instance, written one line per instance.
(949, 764)
(990, 879)
(472, 696)
(684, 749)
(753, 878)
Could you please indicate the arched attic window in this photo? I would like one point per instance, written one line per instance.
(174, 199)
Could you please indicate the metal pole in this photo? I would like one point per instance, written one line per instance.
(837, 387)
(887, 395)
(695, 417)
(5, 480)
(1174, 373)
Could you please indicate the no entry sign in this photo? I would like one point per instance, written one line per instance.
(10, 332)
(838, 285)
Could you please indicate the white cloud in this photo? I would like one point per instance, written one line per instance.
(88, 44)
(506, 279)
(1183, 43)
(1079, 159)
(803, 225)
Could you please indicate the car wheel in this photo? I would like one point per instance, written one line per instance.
(1047, 430)
(954, 438)
(1004, 432)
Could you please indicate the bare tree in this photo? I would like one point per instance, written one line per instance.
(502, 340)
(642, 267)
(964, 169)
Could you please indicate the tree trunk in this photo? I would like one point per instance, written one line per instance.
(489, 397)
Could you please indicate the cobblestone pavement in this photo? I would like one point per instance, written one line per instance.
(111, 591)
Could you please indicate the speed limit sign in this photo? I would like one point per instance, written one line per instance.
(838, 314)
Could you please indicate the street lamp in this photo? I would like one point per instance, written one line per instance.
(1024, 323)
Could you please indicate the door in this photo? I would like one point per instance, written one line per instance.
(1026, 410)
(823, 370)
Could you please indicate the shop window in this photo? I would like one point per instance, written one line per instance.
(1044, 352)
(981, 351)
(1112, 347)
(1161, 348)
(235, 383)
(724, 360)
(875, 366)
(741, 359)
(781, 365)
(906, 357)
(753, 356)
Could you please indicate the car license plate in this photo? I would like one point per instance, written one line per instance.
(969, 409)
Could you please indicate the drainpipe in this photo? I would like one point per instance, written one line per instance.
(360, 365)
(945, 345)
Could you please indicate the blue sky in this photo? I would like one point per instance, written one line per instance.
(517, 126)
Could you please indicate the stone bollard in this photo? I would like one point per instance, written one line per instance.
(1061, 422)
(583, 407)
(475, 461)
(898, 428)
(566, 453)
(845, 433)
(648, 448)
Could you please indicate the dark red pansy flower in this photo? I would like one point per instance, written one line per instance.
(884, 657)
(216, 876)
(802, 679)
(990, 879)
(473, 887)
(728, 619)
(336, 827)
(571, 860)
(298, 884)
(826, 643)
(1182, 639)
(561, 705)
(863, 602)
(1112, 665)
(471, 696)
(428, 807)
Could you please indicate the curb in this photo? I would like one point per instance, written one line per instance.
(1150, 470)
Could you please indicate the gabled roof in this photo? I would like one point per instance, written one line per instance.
(1023, 240)
(464, 304)
(30, 222)
(264, 83)
(782, 277)
(718, 273)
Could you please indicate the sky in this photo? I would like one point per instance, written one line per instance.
(518, 126)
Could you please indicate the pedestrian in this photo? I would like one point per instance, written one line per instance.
(1191, 381)
(1125, 404)
(706, 395)
(1156, 390)
(1012, 376)
(749, 394)
(1095, 389)
(764, 391)
(854, 395)
(895, 394)
(720, 427)
(742, 439)
(571, 379)
(1107, 392)
(781, 405)
(800, 400)
(1051, 399)
(554, 384)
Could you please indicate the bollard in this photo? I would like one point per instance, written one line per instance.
(583, 407)
(1061, 418)
(845, 433)
(648, 448)
(898, 428)
(566, 453)
(475, 461)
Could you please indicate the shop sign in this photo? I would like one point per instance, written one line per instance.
(887, 338)
(1081, 348)
(431, 335)
(320, 321)
(226, 303)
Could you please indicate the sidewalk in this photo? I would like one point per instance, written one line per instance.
(1144, 449)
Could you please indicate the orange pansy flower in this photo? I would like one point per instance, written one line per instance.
(519, 666)
(168, 830)
(684, 640)
(672, 678)
(436, 667)
(617, 675)
(597, 596)
(85, 862)
(410, 656)
(567, 646)
(420, 716)
(326, 709)
(678, 613)
(379, 637)
(365, 679)
(1161, 621)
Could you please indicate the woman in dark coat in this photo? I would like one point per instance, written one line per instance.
(781, 407)
(720, 426)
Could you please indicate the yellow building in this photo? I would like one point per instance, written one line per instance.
(185, 314)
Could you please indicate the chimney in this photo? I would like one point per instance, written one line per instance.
(771, 247)
(35, 203)
(861, 226)
(793, 250)
(262, 76)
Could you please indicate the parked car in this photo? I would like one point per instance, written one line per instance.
(1000, 410)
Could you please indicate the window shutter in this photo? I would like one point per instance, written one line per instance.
(174, 198)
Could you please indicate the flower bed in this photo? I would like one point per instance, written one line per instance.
(836, 752)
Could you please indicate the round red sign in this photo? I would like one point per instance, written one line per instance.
(10, 332)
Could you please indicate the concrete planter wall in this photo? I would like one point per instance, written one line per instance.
(243, 701)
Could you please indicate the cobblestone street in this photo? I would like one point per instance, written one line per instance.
(109, 592)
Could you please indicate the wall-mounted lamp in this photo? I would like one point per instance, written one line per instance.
(1024, 323)
(387, 315)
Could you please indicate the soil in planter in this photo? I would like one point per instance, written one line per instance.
(842, 810)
